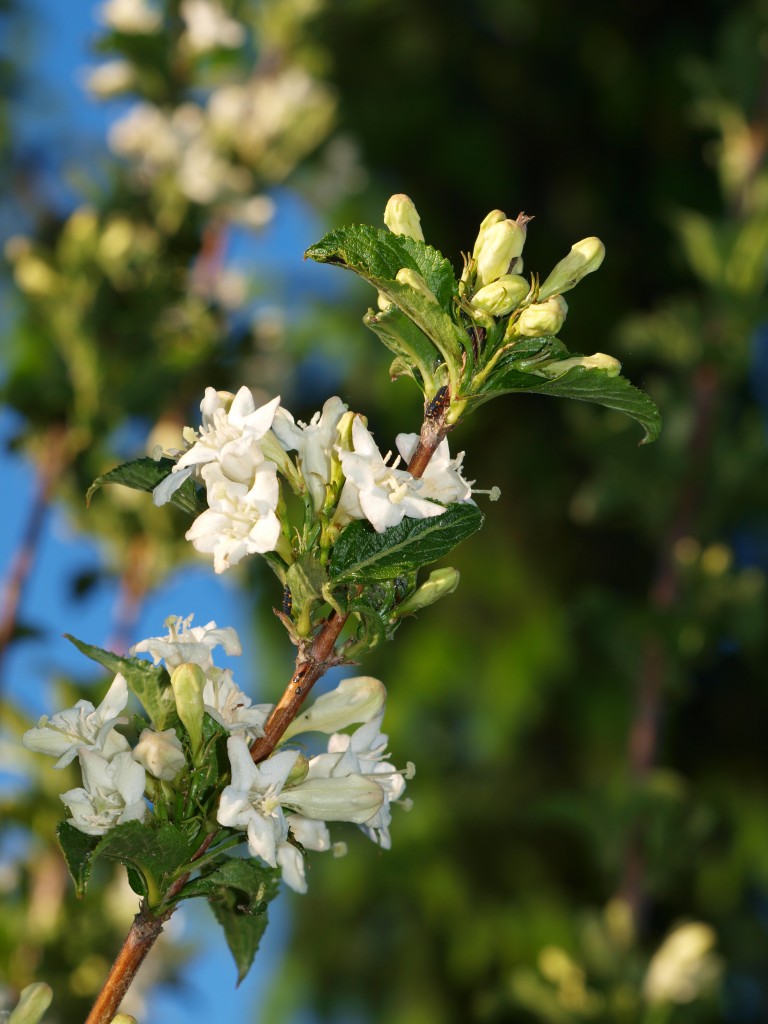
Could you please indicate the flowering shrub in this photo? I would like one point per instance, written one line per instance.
(347, 532)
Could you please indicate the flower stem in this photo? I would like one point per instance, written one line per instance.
(144, 930)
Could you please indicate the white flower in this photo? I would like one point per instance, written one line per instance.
(442, 479)
(83, 726)
(227, 703)
(113, 793)
(683, 966)
(312, 835)
(185, 644)
(208, 26)
(231, 427)
(356, 699)
(314, 441)
(130, 16)
(377, 492)
(252, 801)
(362, 754)
(240, 520)
(160, 753)
(111, 78)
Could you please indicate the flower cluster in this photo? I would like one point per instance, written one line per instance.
(338, 469)
(281, 805)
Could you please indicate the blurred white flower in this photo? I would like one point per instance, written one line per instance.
(377, 492)
(208, 26)
(133, 17)
(110, 79)
(82, 726)
(113, 793)
(683, 966)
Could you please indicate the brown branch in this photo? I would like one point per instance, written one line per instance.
(140, 939)
(664, 592)
(52, 463)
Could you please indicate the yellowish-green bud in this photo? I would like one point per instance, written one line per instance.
(599, 361)
(354, 700)
(440, 583)
(188, 682)
(344, 429)
(501, 296)
(543, 317)
(584, 257)
(407, 276)
(299, 772)
(401, 217)
(36, 277)
(503, 242)
(124, 1018)
(350, 798)
(35, 1000)
(494, 217)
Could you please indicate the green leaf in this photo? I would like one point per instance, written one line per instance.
(145, 475)
(150, 683)
(360, 554)
(154, 850)
(241, 891)
(377, 255)
(586, 385)
(78, 849)
(401, 336)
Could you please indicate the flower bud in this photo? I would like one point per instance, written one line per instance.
(503, 242)
(188, 682)
(501, 296)
(494, 217)
(299, 772)
(543, 317)
(584, 257)
(355, 700)
(160, 753)
(349, 798)
(401, 217)
(440, 583)
(35, 1000)
(409, 277)
(599, 361)
(124, 1018)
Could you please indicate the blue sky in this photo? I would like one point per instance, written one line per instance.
(56, 119)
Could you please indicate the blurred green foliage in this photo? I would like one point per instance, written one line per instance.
(587, 712)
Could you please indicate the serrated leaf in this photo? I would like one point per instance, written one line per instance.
(377, 254)
(150, 683)
(155, 850)
(242, 891)
(145, 475)
(586, 385)
(360, 554)
(306, 578)
(77, 849)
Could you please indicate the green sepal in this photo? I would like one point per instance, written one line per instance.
(306, 578)
(361, 554)
(150, 683)
(238, 892)
(144, 475)
(77, 849)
